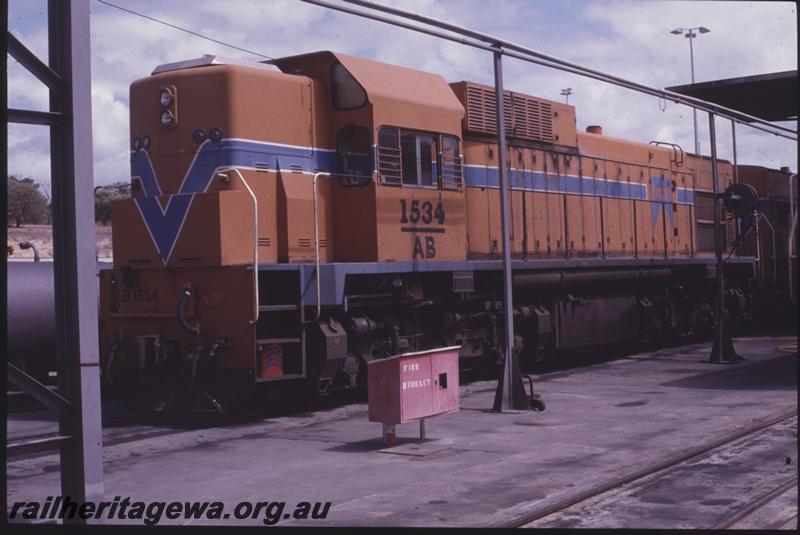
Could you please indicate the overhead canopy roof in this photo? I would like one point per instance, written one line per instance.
(772, 97)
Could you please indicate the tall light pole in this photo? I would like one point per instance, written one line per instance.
(690, 34)
(566, 93)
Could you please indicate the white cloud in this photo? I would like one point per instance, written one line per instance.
(29, 151)
(630, 39)
(110, 124)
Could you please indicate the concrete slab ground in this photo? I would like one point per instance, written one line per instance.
(478, 468)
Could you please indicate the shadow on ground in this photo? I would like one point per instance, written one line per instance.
(777, 373)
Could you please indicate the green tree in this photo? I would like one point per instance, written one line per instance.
(26, 203)
(105, 195)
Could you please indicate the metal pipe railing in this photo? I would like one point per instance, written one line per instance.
(257, 311)
(526, 54)
(774, 250)
(792, 228)
(316, 240)
(759, 263)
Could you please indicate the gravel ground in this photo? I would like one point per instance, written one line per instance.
(42, 238)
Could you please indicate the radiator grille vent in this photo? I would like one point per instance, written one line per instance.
(266, 242)
(730, 232)
(525, 117)
(304, 242)
(704, 206)
(705, 237)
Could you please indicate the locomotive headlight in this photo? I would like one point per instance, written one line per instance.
(137, 143)
(199, 135)
(146, 142)
(215, 134)
(165, 98)
(166, 119)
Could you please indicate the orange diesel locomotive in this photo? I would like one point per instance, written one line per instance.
(292, 224)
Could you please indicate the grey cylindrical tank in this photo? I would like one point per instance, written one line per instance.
(31, 320)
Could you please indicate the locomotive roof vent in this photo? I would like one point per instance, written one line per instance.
(208, 60)
(595, 129)
(526, 117)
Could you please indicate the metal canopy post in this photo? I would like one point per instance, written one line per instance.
(694, 110)
(75, 267)
(510, 394)
(68, 77)
(736, 181)
(735, 161)
(722, 351)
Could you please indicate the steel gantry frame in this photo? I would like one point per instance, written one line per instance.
(500, 47)
(77, 400)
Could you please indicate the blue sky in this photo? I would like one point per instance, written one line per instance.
(626, 38)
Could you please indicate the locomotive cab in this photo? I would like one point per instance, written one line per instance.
(398, 194)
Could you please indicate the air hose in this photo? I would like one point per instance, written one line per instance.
(191, 328)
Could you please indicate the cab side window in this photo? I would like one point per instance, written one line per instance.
(389, 155)
(353, 152)
(347, 92)
(418, 159)
(451, 163)
(418, 152)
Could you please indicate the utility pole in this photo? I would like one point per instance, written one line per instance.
(690, 34)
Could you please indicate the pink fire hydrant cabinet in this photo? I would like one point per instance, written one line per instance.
(413, 386)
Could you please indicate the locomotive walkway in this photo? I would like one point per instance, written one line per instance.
(479, 468)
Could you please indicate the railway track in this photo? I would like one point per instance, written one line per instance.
(478, 478)
(747, 517)
(122, 426)
(676, 492)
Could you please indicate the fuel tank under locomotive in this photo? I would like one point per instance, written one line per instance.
(556, 311)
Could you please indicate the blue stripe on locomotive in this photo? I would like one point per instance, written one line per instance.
(164, 225)
(478, 176)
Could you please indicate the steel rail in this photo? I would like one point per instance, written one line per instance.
(21, 447)
(596, 490)
(526, 54)
(755, 505)
(22, 451)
